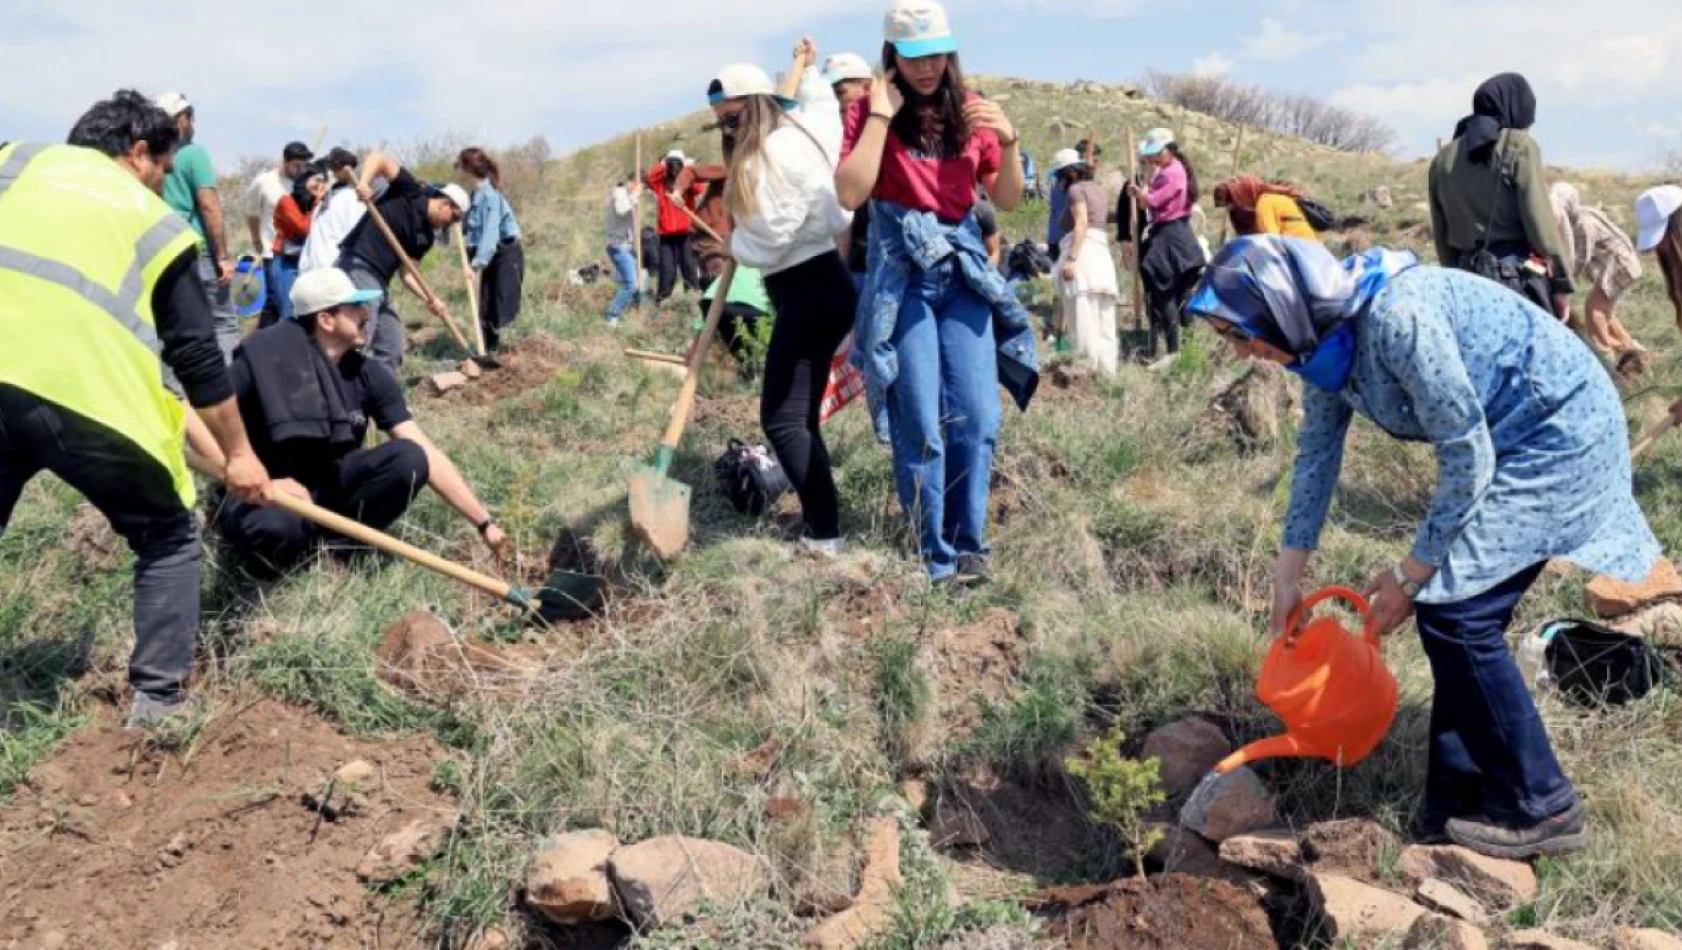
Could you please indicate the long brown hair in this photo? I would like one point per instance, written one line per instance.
(1669, 253)
(761, 116)
(476, 162)
(934, 125)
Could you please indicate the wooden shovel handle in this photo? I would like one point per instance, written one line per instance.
(698, 356)
(1651, 438)
(472, 289)
(695, 219)
(407, 264)
(1134, 229)
(356, 530)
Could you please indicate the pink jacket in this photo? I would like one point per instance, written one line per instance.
(1166, 198)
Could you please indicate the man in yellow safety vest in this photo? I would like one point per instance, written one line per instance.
(97, 281)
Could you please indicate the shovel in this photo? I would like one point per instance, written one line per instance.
(564, 596)
(472, 292)
(660, 504)
(414, 273)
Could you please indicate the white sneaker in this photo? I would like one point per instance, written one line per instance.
(830, 548)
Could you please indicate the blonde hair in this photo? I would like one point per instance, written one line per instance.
(761, 115)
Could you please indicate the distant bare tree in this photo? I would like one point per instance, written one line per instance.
(1245, 104)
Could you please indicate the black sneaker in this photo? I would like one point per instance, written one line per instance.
(1564, 833)
(972, 571)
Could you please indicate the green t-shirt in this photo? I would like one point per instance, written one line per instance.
(191, 173)
(748, 287)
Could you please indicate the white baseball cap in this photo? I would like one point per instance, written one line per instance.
(740, 81)
(457, 196)
(677, 153)
(844, 66)
(1653, 211)
(173, 103)
(1155, 141)
(919, 28)
(1064, 158)
(325, 288)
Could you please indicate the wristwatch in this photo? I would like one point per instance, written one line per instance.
(1409, 587)
(485, 525)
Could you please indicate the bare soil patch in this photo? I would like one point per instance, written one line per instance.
(118, 845)
(1172, 912)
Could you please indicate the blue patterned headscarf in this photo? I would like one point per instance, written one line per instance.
(1291, 294)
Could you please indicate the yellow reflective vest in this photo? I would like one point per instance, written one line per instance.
(82, 245)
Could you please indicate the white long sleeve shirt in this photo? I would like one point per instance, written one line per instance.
(331, 226)
(798, 215)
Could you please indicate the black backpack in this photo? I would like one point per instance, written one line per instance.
(751, 477)
(1596, 665)
(1319, 217)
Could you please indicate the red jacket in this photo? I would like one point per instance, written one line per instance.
(672, 219)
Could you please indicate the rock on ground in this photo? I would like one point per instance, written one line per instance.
(1444, 898)
(661, 879)
(1274, 852)
(872, 910)
(354, 773)
(1436, 932)
(1359, 912)
(1182, 852)
(403, 850)
(1614, 598)
(442, 383)
(1540, 940)
(1630, 939)
(1188, 749)
(566, 880)
(1660, 623)
(419, 653)
(1239, 803)
(1498, 884)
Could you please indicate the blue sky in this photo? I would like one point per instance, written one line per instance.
(577, 72)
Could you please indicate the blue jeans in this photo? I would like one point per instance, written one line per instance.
(285, 275)
(625, 270)
(944, 413)
(1490, 753)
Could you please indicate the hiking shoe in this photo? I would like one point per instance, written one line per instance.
(972, 570)
(828, 548)
(1564, 833)
(611, 321)
(149, 710)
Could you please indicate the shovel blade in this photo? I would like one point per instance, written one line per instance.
(659, 511)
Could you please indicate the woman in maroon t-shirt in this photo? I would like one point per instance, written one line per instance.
(916, 148)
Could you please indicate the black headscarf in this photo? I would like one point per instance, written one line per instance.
(1505, 101)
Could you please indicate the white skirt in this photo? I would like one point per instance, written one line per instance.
(1089, 301)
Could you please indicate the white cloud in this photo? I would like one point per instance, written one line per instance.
(1097, 9)
(1215, 64)
(1276, 41)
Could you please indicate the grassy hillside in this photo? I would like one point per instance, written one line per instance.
(1133, 532)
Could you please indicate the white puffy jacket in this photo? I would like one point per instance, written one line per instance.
(798, 215)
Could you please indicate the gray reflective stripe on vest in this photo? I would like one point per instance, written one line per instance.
(16, 162)
(124, 305)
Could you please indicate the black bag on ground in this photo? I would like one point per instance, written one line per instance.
(1597, 665)
(1318, 216)
(751, 477)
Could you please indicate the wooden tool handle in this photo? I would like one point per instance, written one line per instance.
(406, 262)
(315, 514)
(472, 290)
(636, 224)
(698, 356)
(657, 357)
(1651, 438)
(695, 219)
(1134, 229)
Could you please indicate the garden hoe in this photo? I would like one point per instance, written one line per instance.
(472, 292)
(659, 503)
(565, 596)
(414, 273)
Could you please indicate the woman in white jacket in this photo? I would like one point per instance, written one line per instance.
(782, 157)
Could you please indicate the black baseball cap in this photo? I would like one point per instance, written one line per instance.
(297, 152)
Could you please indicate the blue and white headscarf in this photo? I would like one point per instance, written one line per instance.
(1290, 293)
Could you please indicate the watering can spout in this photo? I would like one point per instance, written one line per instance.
(1284, 746)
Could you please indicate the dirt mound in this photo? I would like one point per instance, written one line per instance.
(1172, 911)
(118, 844)
(975, 663)
(527, 365)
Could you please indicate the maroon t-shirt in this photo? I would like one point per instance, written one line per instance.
(945, 186)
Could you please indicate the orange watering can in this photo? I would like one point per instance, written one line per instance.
(1331, 688)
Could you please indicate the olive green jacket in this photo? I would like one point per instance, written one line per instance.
(1466, 200)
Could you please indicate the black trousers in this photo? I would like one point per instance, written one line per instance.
(677, 259)
(1168, 312)
(138, 497)
(374, 486)
(738, 324)
(499, 291)
(814, 303)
